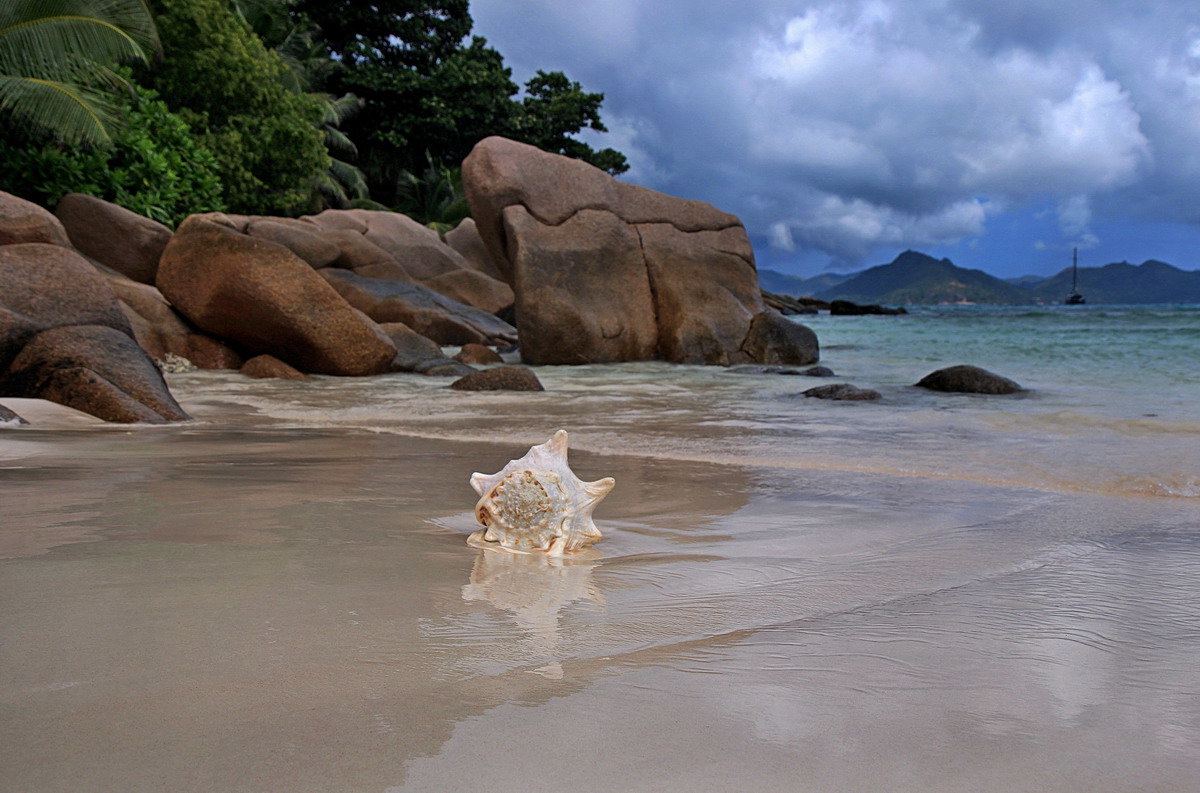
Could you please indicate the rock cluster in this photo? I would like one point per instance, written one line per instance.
(588, 268)
(605, 271)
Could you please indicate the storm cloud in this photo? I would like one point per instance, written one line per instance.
(851, 128)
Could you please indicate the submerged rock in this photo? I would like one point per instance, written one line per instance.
(968, 379)
(262, 367)
(846, 308)
(502, 378)
(842, 392)
(478, 354)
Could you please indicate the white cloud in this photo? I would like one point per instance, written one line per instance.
(849, 125)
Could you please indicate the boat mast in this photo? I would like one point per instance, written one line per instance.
(1074, 269)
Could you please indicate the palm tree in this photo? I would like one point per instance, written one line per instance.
(57, 57)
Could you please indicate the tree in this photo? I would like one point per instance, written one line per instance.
(429, 89)
(555, 108)
(233, 91)
(57, 56)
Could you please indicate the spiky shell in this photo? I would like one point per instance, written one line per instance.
(537, 503)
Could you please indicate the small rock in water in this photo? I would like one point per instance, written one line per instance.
(818, 371)
(751, 368)
(842, 392)
(968, 380)
(478, 354)
(502, 378)
(262, 367)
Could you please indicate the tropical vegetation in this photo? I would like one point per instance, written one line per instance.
(170, 107)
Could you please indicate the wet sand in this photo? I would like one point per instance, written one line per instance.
(204, 609)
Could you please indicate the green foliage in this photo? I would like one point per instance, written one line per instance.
(553, 109)
(154, 166)
(435, 198)
(57, 57)
(234, 92)
(428, 89)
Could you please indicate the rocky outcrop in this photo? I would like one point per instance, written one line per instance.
(607, 271)
(502, 378)
(262, 296)
(112, 235)
(846, 308)
(65, 338)
(478, 354)
(968, 380)
(263, 367)
(791, 306)
(431, 314)
(842, 392)
(25, 221)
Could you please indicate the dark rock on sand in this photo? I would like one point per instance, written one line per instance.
(502, 378)
(842, 392)
(264, 297)
(968, 380)
(9, 417)
(607, 271)
(112, 235)
(427, 312)
(262, 367)
(845, 308)
(478, 354)
(24, 221)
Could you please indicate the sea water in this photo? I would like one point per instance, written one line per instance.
(931, 592)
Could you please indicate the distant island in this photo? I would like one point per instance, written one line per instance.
(914, 278)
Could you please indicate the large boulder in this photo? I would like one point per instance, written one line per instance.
(471, 288)
(25, 221)
(968, 380)
(112, 235)
(262, 296)
(431, 314)
(65, 338)
(608, 271)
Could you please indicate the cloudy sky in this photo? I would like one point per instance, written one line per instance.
(999, 133)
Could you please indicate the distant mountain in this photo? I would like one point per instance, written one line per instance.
(783, 284)
(1027, 280)
(916, 279)
(1149, 282)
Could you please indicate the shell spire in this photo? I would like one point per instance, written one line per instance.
(537, 503)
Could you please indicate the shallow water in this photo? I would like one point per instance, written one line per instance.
(928, 593)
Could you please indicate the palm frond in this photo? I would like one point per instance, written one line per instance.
(39, 37)
(73, 112)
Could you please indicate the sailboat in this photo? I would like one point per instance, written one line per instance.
(1074, 299)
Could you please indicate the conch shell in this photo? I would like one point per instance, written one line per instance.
(537, 503)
